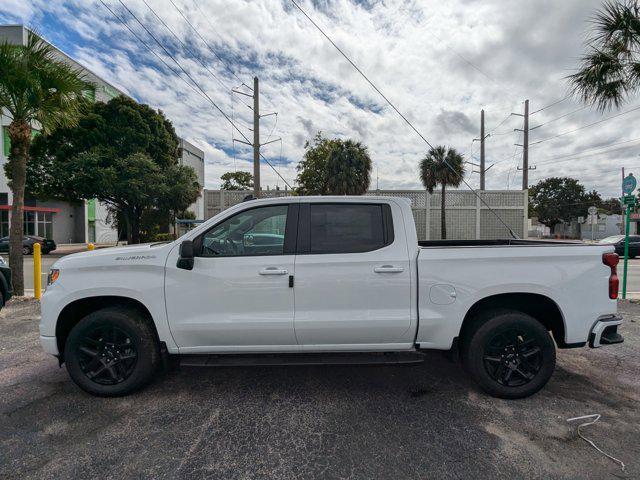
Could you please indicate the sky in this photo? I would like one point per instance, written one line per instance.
(439, 62)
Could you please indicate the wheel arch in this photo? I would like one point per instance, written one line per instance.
(539, 306)
(75, 311)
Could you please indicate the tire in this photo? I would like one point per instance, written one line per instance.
(509, 354)
(26, 250)
(112, 352)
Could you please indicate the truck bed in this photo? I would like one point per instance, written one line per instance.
(452, 279)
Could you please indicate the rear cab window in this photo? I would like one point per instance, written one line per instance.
(331, 228)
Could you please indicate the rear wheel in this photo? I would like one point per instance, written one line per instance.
(509, 354)
(26, 250)
(112, 352)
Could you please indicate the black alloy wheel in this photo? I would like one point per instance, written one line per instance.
(508, 353)
(513, 357)
(107, 355)
(113, 351)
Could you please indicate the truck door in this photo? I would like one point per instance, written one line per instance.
(238, 296)
(352, 280)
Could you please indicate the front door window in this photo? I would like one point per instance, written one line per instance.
(259, 231)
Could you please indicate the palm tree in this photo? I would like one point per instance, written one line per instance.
(348, 169)
(36, 90)
(444, 166)
(610, 71)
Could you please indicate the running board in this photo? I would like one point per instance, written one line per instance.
(241, 360)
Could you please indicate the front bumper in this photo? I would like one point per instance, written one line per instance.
(605, 332)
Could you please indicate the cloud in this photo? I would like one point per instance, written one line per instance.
(439, 62)
(451, 121)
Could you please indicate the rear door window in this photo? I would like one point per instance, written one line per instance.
(346, 228)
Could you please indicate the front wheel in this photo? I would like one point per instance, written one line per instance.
(509, 354)
(26, 250)
(112, 352)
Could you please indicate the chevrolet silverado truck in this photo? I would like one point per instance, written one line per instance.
(308, 280)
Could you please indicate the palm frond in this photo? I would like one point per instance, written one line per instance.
(36, 86)
(608, 73)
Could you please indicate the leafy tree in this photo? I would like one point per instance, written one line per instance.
(558, 199)
(35, 89)
(334, 167)
(593, 199)
(610, 70)
(125, 155)
(612, 206)
(445, 167)
(237, 181)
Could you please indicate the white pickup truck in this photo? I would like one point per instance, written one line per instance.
(327, 280)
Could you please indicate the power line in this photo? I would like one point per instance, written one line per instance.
(206, 17)
(272, 128)
(500, 124)
(177, 73)
(586, 126)
(185, 46)
(551, 104)
(558, 118)
(205, 42)
(588, 152)
(515, 151)
(191, 78)
(401, 115)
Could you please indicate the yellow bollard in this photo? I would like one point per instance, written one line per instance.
(37, 273)
(90, 246)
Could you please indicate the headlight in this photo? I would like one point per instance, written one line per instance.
(54, 273)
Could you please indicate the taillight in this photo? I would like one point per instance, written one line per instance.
(611, 260)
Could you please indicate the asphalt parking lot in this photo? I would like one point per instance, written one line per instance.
(425, 421)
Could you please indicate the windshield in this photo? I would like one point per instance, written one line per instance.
(614, 239)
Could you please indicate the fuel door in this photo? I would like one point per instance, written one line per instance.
(442, 294)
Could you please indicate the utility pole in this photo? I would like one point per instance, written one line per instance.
(256, 139)
(256, 134)
(482, 138)
(525, 146)
(481, 167)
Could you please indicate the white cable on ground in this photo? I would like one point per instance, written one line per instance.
(596, 417)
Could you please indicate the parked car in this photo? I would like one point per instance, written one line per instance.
(5, 282)
(618, 243)
(347, 282)
(28, 241)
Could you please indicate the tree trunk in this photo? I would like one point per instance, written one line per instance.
(443, 220)
(20, 136)
(125, 213)
(134, 223)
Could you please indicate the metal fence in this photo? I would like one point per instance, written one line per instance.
(467, 217)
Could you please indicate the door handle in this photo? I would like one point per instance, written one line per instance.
(273, 271)
(388, 269)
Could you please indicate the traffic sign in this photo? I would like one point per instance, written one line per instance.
(629, 200)
(629, 184)
(592, 210)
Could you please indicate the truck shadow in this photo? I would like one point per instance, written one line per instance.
(435, 375)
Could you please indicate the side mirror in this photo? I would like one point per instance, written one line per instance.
(185, 260)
